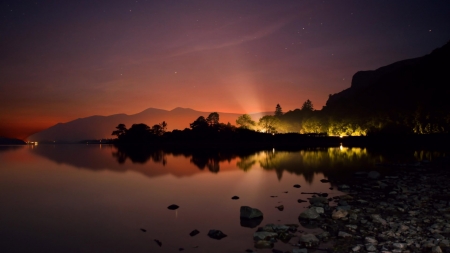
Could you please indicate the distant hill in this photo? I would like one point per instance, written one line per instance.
(98, 127)
(9, 141)
(410, 95)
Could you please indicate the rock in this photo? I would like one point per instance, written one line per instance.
(143, 230)
(247, 212)
(344, 234)
(301, 201)
(263, 235)
(308, 240)
(194, 232)
(318, 210)
(262, 244)
(436, 249)
(377, 218)
(346, 208)
(373, 175)
(300, 250)
(158, 242)
(318, 201)
(339, 214)
(297, 186)
(281, 207)
(216, 234)
(343, 187)
(173, 207)
(371, 248)
(324, 180)
(309, 214)
(370, 240)
(235, 197)
(251, 223)
(356, 248)
(398, 245)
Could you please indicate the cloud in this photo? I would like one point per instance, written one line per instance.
(217, 39)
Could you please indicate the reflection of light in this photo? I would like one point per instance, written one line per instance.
(341, 147)
(273, 151)
(273, 133)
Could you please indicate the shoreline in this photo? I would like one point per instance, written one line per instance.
(402, 209)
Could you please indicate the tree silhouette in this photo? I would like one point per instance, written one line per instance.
(269, 123)
(308, 106)
(213, 119)
(245, 121)
(163, 126)
(121, 131)
(278, 111)
(200, 123)
(139, 133)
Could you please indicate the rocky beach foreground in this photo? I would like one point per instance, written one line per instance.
(399, 208)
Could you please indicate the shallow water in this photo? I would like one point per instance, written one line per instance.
(96, 198)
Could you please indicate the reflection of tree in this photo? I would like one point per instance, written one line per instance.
(308, 162)
(138, 154)
(210, 159)
(246, 163)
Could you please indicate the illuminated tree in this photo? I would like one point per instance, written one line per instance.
(269, 123)
(213, 119)
(308, 106)
(278, 111)
(245, 121)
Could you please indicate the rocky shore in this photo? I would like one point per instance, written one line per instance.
(400, 208)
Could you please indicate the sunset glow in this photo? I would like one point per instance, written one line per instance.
(62, 61)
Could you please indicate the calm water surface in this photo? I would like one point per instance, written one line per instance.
(96, 198)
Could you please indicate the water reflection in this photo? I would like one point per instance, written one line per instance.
(151, 162)
(5, 148)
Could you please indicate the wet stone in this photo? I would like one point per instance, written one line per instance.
(247, 212)
(173, 207)
(216, 234)
(194, 232)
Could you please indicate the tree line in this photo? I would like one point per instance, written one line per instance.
(305, 120)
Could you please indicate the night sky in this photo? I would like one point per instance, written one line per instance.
(61, 60)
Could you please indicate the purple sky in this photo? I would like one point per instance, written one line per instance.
(60, 61)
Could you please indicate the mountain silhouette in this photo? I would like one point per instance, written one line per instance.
(408, 87)
(101, 127)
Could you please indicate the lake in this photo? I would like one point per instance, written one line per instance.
(97, 198)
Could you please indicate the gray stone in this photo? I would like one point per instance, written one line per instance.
(344, 234)
(319, 210)
(338, 214)
(377, 218)
(247, 212)
(370, 247)
(318, 201)
(303, 250)
(356, 248)
(399, 245)
(262, 244)
(263, 235)
(308, 240)
(309, 214)
(436, 249)
(373, 175)
(343, 187)
(370, 240)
